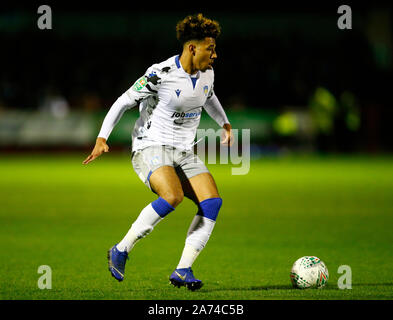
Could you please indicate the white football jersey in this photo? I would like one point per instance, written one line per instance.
(170, 104)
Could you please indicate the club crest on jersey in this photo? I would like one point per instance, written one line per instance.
(205, 90)
(178, 92)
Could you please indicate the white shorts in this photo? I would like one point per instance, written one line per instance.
(186, 163)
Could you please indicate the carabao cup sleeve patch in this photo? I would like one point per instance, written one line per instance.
(140, 84)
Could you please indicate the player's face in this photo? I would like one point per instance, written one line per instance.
(205, 53)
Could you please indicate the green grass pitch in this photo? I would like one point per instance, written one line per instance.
(56, 212)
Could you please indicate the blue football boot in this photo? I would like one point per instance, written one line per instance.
(185, 277)
(117, 263)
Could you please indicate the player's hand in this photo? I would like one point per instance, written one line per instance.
(98, 150)
(227, 135)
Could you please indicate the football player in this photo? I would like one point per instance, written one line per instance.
(171, 96)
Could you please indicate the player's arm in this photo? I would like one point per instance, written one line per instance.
(228, 135)
(123, 103)
(215, 110)
(142, 88)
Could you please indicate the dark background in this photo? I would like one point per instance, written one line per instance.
(269, 57)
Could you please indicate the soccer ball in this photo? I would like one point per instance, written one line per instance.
(309, 272)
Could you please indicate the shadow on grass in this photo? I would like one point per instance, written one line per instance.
(388, 284)
(253, 288)
(208, 289)
(290, 287)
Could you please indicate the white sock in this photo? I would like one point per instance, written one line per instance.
(143, 225)
(197, 237)
(188, 256)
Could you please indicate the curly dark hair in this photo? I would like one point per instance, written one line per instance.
(197, 27)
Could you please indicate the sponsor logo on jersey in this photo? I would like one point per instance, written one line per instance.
(185, 114)
(178, 92)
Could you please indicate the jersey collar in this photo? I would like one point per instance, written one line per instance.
(179, 66)
(178, 62)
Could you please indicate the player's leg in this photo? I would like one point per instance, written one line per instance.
(202, 190)
(166, 184)
(154, 166)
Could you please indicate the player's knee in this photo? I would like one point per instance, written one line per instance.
(209, 208)
(174, 198)
(162, 207)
